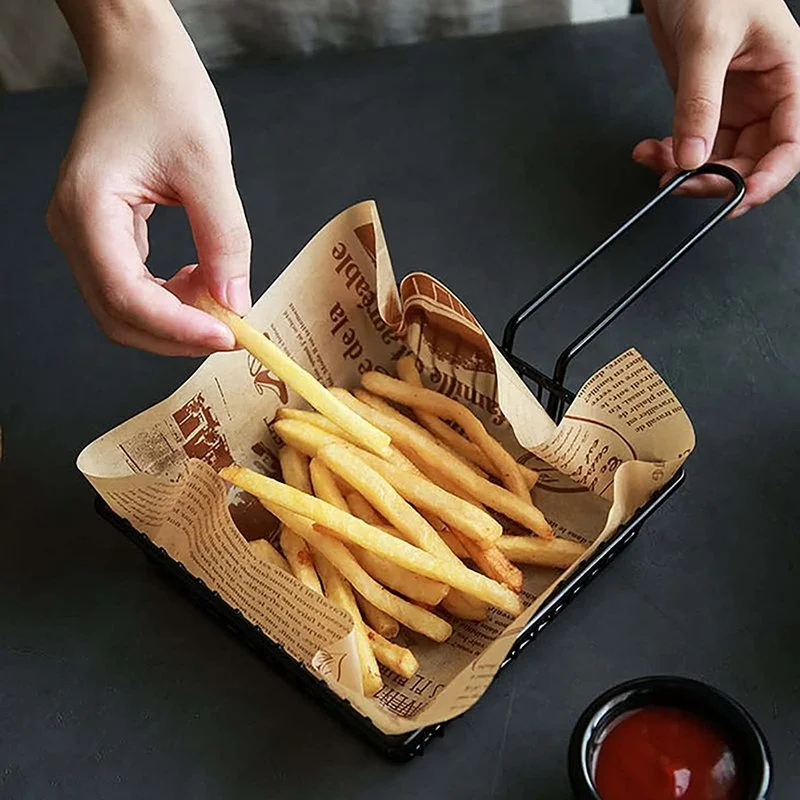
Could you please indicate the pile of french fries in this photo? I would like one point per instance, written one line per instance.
(382, 510)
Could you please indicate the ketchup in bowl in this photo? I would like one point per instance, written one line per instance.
(663, 753)
(668, 738)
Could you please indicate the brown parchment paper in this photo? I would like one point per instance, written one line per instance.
(338, 311)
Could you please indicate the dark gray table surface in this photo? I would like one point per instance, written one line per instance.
(495, 163)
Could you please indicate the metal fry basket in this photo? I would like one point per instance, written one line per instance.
(552, 392)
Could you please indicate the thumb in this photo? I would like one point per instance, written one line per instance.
(221, 236)
(702, 65)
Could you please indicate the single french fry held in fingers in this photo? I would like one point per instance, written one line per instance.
(300, 559)
(344, 461)
(302, 382)
(556, 553)
(492, 561)
(398, 659)
(407, 371)
(266, 552)
(338, 591)
(295, 468)
(426, 448)
(412, 616)
(427, 496)
(346, 527)
(446, 407)
(378, 620)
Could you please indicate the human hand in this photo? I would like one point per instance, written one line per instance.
(151, 131)
(735, 70)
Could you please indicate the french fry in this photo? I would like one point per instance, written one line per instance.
(427, 496)
(346, 527)
(379, 404)
(415, 587)
(300, 559)
(454, 543)
(398, 659)
(266, 552)
(555, 553)
(294, 469)
(302, 382)
(427, 448)
(325, 486)
(309, 438)
(382, 495)
(316, 419)
(407, 371)
(443, 406)
(359, 507)
(412, 616)
(378, 620)
(463, 606)
(338, 591)
(493, 562)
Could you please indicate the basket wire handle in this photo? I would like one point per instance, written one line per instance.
(602, 322)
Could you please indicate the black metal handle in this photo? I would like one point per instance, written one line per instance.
(560, 371)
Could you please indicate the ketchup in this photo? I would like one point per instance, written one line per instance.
(660, 753)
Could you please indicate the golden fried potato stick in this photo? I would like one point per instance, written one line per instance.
(412, 616)
(456, 603)
(315, 418)
(463, 606)
(338, 591)
(308, 438)
(427, 496)
(555, 553)
(302, 382)
(294, 469)
(493, 562)
(378, 620)
(346, 462)
(443, 406)
(300, 559)
(428, 449)
(413, 586)
(382, 405)
(398, 659)
(454, 543)
(266, 552)
(407, 371)
(348, 528)
(359, 507)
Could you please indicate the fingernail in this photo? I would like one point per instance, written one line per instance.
(237, 295)
(691, 152)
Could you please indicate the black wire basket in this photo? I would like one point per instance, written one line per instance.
(551, 391)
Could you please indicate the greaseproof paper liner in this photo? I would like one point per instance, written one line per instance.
(338, 311)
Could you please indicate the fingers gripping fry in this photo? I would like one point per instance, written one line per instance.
(308, 387)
